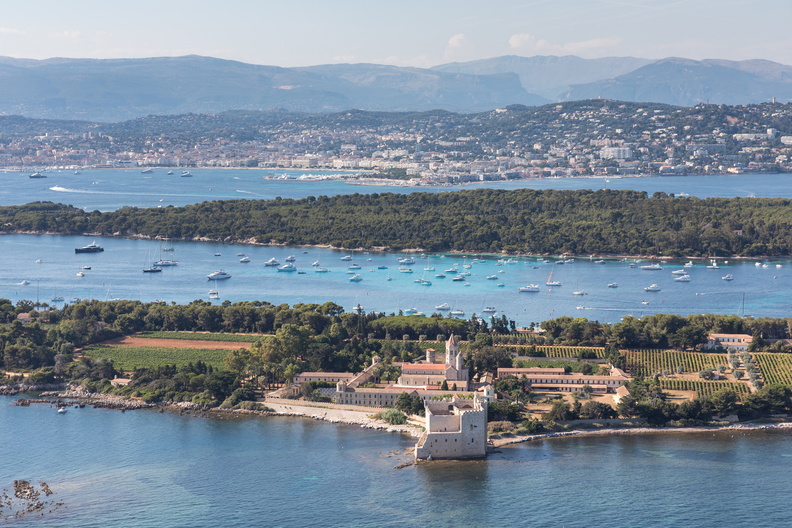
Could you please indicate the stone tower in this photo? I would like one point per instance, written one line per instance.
(453, 355)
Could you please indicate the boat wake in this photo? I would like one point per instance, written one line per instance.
(58, 188)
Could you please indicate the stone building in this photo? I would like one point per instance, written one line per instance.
(455, 428)
(428, 374)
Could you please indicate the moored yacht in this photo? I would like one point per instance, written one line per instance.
(529, 288)
(272, 262)
(652, 288)
(219, 275)
(443, 306)
(288, 267)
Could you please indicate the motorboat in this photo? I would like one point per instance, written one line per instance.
(245, 259)
(86, 267)
(80, 274)
(288, 267)
(489, 309)
(186, 174)
(382, 267)
(152, 269)
(36, 175)
(688, 264)
(652, 288)
(93, 247)
(219, 275)
(405, 270)
(166, 262)
(679, 272)
(57, 298)
(272, 262)
(23, 282)
(315, 263)
(346, 258)
(579, 292)
(290, 258)
(170, 172)
(320, 269)
(456, 313)
(459, 278)
(61, 410)
(492, 277)
(531, 288)
(354, 267)
(728, 277)
(146, 171)
(713, 265)
(407, 261)
(651, 267)
(355, 278)
(214, 294)
(411, 311)
(443, 306)
(613, 285)
(440, 276)
(682, 278)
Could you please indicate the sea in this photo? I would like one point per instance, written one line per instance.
(149, 469)
(145, 468)
(45, 269)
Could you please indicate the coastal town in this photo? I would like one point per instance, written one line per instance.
(597, 138)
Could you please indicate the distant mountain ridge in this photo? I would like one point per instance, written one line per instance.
(113, 90)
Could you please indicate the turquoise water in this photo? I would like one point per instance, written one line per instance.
(144, 468)
(118, 273)
(110, 189)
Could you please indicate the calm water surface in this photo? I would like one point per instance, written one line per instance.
(144, 468)
(110, 189)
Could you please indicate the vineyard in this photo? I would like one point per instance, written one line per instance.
(703, 388)
(129, 358)
(648, 362)
(202, 336)
(775, 368)
(557, 351)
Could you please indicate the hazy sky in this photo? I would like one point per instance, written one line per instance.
(401, 32)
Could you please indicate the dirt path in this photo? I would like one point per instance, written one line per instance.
(130, 341)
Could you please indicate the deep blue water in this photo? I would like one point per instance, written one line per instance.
(144, 468)
(110, 189)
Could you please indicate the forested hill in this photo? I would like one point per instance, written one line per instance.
(528, 221)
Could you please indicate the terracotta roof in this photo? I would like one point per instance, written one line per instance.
(424, 366)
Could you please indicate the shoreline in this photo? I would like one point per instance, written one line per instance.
(504, 442)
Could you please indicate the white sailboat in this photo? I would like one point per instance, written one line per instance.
(550, 282)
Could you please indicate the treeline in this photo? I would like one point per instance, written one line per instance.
(657, 331)
(54, 332)
(537, 222)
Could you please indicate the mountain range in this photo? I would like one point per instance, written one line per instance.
(112, 90)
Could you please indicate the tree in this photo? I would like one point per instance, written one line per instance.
(724, 402)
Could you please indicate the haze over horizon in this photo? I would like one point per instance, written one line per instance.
(410, 33)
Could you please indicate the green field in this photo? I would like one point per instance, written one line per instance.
(775, 368)
(202, 336)
(702, 387)
(130, 358)
(649, 362)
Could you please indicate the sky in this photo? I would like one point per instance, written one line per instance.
(403, 33)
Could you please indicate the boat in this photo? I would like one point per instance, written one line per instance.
(315, 263)
(405, 270)
(580, 307)
(411, 311)
(86, 267)
(245, 259)
(290, 258)
(57, 298)
(93, 247)
(551, 282)
(346, 258)
(152, 269)
(61, 410)
(219, 275)
(599, 262)
(429, 268)
(529, 288)
(456, 313)
(579, 292)
(146, 171)
(407, 261)
(288, 267)
(613, 285)
(425, 282)
(186, 174)
(355, 278)
(165, 262)
(320, 269)
(688, 264)
(492, 277)
(36, 175)
(459, 278)
(713, 265)
(652, 288)
(679, 272)
(214, 294)
(489, 309)
(728, 277)
(440, 276)
(644, 302)
(272, 262)
(354, 266)
(170, 172)
(443, 306)
(651, 267)
(682, 278)
(382, 267)
(80, 274)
